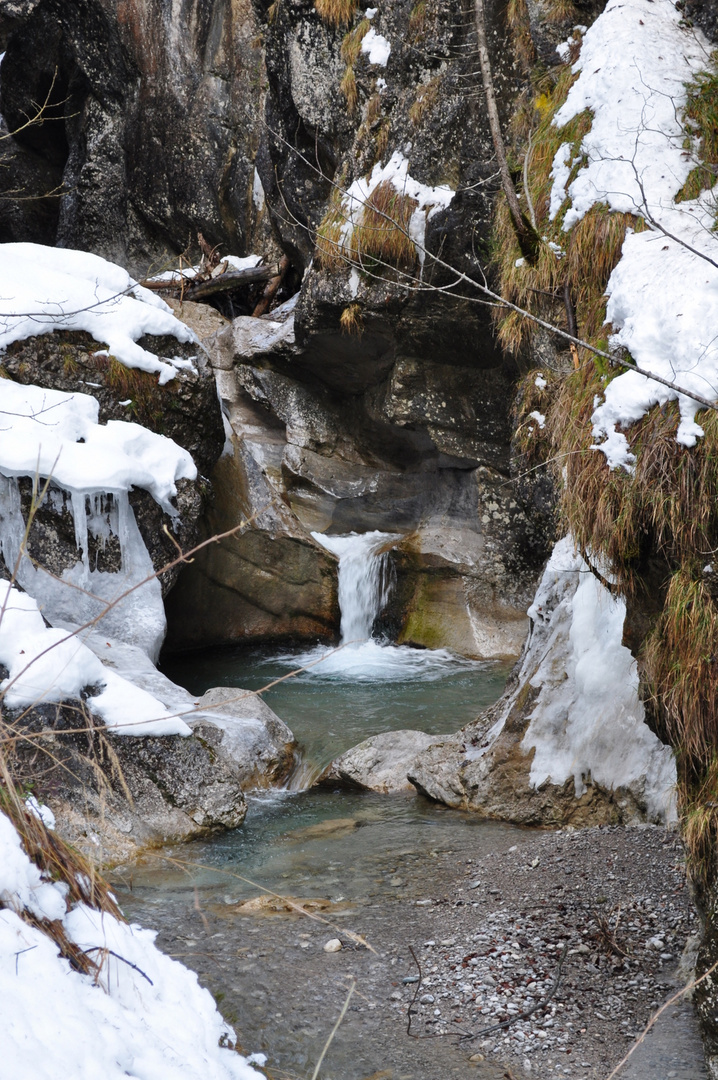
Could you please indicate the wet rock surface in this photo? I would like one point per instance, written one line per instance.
(115, 795)
(147, 124)
(259, 743)
(489, 928)
(381, 763)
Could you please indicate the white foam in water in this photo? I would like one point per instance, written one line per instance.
(364, 588)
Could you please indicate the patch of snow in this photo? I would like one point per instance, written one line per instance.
(381, 84)
(538, 417)
(53, 433)
(376, 47)
(540, 382)
(42, 812)
(354, 282)
(663, 298)
(520, 262)
(257, 192)
(44, 289)
(560, 173)
(369, 13)
(248, 262)
(50, 664)
(144, 1017)
(588, 720)
(634, 63)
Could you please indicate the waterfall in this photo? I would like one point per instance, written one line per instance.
(364, 579)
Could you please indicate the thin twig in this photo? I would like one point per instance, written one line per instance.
(334, 1030)
(109, 952)
(684, 990)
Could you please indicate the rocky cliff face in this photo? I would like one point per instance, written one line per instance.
(150, 127)
(374, 401)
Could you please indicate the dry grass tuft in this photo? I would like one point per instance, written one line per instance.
(560, 11)
(517, 16)
(417, 20)
(700, 116)
(382, 233)
(336, 12)
(351, 45)
(381, 142)
(426, 97)
(329, 233)
(681, 658)
(380, 237)
(148, 397)
(351, 320)
(58, 862)
(373, 109)
(348, 87)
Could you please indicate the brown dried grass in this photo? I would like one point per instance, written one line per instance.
(348, 87)
(336, 12)
(426, 97)
(382, 233)
(351, 45)
(58, 862)
(517, 17)
(351, 320)
(329, 234)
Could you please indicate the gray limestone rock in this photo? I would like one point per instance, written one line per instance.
(380, 763)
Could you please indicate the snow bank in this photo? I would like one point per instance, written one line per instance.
(44, 289)
(52, 433)
(47, 664)
(430, 200)
(150, 1022)
(93, 467)
(663, 299)
(588, 721)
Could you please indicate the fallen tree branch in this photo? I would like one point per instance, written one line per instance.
(231, 280)
(193, 289)
(271, 289)
(526, 234)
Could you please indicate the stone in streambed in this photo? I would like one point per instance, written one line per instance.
(257, 741)
(380, 763)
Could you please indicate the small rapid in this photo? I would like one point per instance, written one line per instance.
(342, 695)
(364, 579)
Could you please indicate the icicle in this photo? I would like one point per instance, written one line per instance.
(78, 505)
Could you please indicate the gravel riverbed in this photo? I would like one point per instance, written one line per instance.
(608, 906)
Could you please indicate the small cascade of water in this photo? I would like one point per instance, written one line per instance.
(364, 579)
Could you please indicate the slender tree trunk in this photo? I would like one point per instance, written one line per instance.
(526, 234)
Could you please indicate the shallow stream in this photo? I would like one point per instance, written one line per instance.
(395, 870)
(363, 860)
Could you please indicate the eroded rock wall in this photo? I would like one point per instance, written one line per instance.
(150, 129)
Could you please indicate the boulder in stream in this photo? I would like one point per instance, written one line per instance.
(380, 763)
